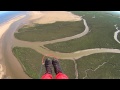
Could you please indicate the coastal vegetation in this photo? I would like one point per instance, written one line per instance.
(31, 62)
(101, 34)
(52, 31)
(102, 66)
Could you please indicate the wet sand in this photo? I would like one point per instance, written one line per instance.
(5, 52)
(53, 16)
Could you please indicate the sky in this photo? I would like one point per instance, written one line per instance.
(1, 12)
(117, 11)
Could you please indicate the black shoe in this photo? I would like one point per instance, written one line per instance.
(48, 64)
(56, 66)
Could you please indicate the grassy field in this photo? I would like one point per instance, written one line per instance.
(101, 35)
(46, 32)
(109, 69)
(31, 61)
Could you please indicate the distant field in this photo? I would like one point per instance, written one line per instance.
(46, 32)
(101, 35)
(31, 61)
(109, 69)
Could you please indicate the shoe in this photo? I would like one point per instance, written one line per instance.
(56, 66)
(48, 64)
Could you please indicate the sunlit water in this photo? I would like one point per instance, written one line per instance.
(5, 16)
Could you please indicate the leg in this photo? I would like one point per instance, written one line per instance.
(48, 74)
(58, 70)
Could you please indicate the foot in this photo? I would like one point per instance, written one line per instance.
(56, 66)
(48, 64)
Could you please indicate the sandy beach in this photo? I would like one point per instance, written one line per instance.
(45, 17)
(3, 28)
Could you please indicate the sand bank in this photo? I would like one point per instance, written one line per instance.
(45, 17)
(3, 28)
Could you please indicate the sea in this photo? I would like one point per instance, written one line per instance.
(10, 14)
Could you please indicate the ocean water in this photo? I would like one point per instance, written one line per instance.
(10, 14)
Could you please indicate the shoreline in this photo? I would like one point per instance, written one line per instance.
(4, 27)
(8, 21)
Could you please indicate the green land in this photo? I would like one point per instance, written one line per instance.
(46, 32)
(32, 61)
(101, 34)
(92, 64)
